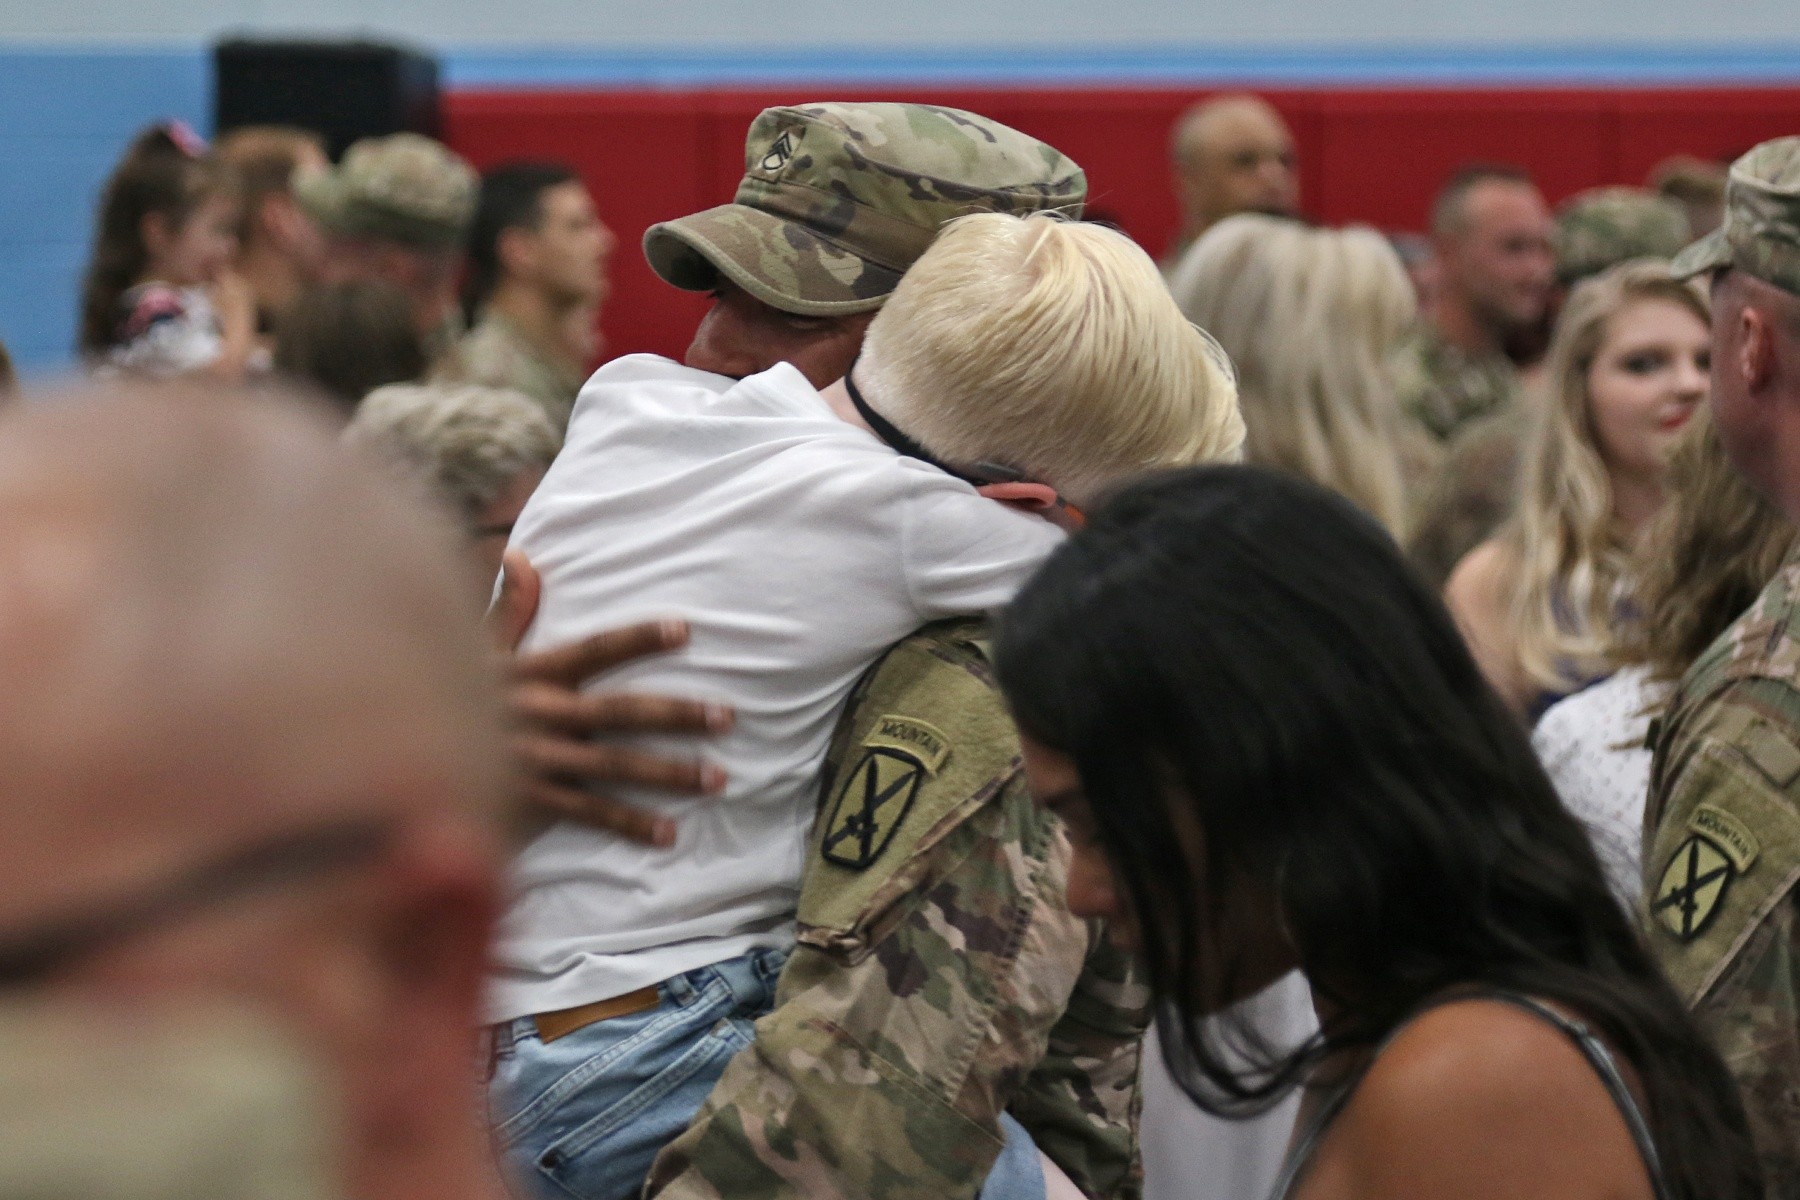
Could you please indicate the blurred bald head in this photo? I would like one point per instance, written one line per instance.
(217, 628)
(201, 589)
(1233, 154)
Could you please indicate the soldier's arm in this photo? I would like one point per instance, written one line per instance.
(1722, 870)
(1082, 1101)
(935, 957)
(1753, 1018)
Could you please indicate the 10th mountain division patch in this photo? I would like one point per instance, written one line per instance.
(1717, 850)
(876, 795)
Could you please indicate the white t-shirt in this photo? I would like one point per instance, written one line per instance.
(1592, 747)
(798, 547)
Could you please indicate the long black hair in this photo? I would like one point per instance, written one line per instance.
(1240, 653)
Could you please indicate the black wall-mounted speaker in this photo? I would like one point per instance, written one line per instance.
(341, 90)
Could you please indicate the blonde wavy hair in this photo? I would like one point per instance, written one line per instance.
(1052, 347)
(1309, 316)
(1572, 557)
(1714, 546)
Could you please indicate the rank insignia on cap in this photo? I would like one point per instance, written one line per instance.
(1693, 886)
(870, 804)
(779, 153)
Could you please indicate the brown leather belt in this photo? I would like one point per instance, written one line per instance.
(563, 1022)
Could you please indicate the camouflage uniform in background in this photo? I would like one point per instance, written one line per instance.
(939, 978)
(496, 354)
(406, 190)
(1602, 227)
(1723, 820)
(1443, 387)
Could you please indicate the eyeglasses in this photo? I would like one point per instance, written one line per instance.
(30, 957)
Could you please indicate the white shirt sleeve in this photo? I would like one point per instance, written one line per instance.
(963, 554)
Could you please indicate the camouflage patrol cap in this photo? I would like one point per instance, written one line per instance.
(1761, 233)
(1602, 227)
(838, 200)
(404, 188)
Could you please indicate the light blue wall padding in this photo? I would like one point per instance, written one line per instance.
(65, 116)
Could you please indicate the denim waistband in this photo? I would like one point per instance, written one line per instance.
(746, 979)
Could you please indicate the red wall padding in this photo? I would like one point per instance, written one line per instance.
(1370, 156)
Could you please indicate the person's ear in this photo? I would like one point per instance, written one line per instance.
(278, 218)
(157, 234)
(1756, 349)
(430, 945)
(422, 962)
(1039, 498)
(517, 251)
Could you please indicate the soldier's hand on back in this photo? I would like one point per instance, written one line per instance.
(557, 722)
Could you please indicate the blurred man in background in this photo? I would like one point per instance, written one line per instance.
(1490, 233)
(1231, 154)
(537, 258)
(250, 758)
(280, 248)
(398, 209)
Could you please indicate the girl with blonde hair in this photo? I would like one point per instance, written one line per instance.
(1705, 558)
(1309, 317)
(1541, 602)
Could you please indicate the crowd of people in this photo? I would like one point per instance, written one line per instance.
(811, 768)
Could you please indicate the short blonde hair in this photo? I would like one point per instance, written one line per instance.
(1050, 347)
(1309, 316)
(464, 443)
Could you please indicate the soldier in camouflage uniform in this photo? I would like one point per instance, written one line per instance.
(1724, 812)
(397, 209)
(936, 983)
(939, 979)
(536, 278)
(1491, 237)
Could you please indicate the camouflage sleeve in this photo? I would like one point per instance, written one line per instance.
(1750, 1014)
(1721, 870)
(1081, 1102)
(939, 976)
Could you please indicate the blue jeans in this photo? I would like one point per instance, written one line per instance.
(586, 1114)
(1018, 1174)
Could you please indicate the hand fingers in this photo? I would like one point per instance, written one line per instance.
(552, 707)
(601, 812)
(579, 661)
(567, 759)
(516, 605)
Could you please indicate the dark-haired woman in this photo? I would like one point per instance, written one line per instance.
(160, 296)
(1273, 750)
